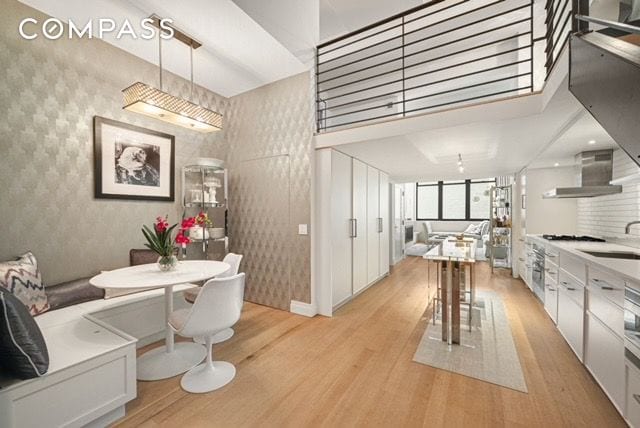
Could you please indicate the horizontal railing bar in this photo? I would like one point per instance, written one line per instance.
(613, 24)
(425, 50)
(473, 98)
(359, 40)
(553, 46)
(530, 87)
(419, 40)
(391, 28)
(551, 16)
(428, 84)
(402, 36)
(378, 23)
(430, 60)
(427, 96)
(428, 72)
(554, 32)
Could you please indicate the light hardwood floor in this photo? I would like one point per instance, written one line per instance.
(356, 369)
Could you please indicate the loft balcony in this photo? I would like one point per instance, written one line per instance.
(438, 56)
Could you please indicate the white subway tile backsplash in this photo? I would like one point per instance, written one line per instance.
(608, 215)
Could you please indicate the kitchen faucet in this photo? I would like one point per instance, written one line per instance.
(627, 228)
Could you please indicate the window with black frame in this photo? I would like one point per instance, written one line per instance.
(454, 200)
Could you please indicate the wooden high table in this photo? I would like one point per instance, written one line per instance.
(453, 254)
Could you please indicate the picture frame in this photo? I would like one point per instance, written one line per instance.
(131, 162)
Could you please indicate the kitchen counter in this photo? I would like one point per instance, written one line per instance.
(452, 249)
(628, 269)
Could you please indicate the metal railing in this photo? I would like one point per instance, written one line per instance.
(440, 55)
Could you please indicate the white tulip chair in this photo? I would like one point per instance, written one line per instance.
(217, 307)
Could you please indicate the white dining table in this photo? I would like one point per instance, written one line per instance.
(173, 358)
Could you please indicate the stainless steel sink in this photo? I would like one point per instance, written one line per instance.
(614, 254)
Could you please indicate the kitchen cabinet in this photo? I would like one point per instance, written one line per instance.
(632, 393)
(571, 291)
(604, 357)
(571, 316)
(551, 298)
(353, 203)
(383, 231)
(340, 227)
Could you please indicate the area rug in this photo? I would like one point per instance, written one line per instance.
(487, 352)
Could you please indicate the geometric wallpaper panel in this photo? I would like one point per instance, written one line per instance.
(262, 216)
(49, 93)
(273, 121)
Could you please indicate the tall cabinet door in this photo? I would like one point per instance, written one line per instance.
(340, 227)
(359, 200)
(373, 224)
(385, 225)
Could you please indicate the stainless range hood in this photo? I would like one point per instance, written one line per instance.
(596, 171)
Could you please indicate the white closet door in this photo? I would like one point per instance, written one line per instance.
(385, 224)
(373, 224)
(360, 276)
(340, 227)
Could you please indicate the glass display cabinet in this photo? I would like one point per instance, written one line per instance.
(204, 189)
(500, 231)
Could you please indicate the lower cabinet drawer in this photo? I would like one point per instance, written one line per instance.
(607, 312)
(632, 401)
(611, 286)
(604, 357)
(571, 321)
(551, 298)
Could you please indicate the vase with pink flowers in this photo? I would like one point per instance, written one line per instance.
(160, 239)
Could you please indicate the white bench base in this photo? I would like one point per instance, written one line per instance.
(92, 370)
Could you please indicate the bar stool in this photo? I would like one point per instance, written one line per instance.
(437, 299)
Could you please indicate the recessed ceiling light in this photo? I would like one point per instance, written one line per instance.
(592, 142)
(556, 164)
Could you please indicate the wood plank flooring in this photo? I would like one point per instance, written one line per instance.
(356, 369)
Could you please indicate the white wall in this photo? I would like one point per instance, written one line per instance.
(608, 215)
(552, 216)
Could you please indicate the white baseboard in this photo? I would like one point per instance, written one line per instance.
(304, 309)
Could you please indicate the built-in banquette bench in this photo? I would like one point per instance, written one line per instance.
(92, 345)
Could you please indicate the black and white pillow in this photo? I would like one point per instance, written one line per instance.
(21, 277)
(23, 351)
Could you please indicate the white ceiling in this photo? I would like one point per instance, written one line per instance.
(576, 139)
(488, 148)
(237, 55)
(338, 17)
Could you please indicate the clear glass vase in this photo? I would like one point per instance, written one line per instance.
(167, 263)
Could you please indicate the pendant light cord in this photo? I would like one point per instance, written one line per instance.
(160, 56)
(191, 61)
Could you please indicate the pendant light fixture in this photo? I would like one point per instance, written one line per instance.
(460, 164)
(153, 102)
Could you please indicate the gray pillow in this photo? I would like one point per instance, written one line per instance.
(23, 351)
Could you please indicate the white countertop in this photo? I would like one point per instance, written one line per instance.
(628, 269)
(454, 250)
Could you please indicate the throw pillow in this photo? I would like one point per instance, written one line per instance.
(472, 228)
(22, 278)
(23, 351)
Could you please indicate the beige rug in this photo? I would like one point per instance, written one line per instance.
(487, 353)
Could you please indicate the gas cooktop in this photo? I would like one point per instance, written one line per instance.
(583, 238)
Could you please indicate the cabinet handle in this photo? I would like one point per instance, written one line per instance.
(550, 288)
(637, 398)
(521, 259)
(354, 227)
(606, 287)
(379, 224)
(553, 256)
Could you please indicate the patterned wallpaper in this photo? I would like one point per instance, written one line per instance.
(608, 215)
(269, 134)
(49, 93)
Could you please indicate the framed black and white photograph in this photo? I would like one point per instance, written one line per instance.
(132, 162)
